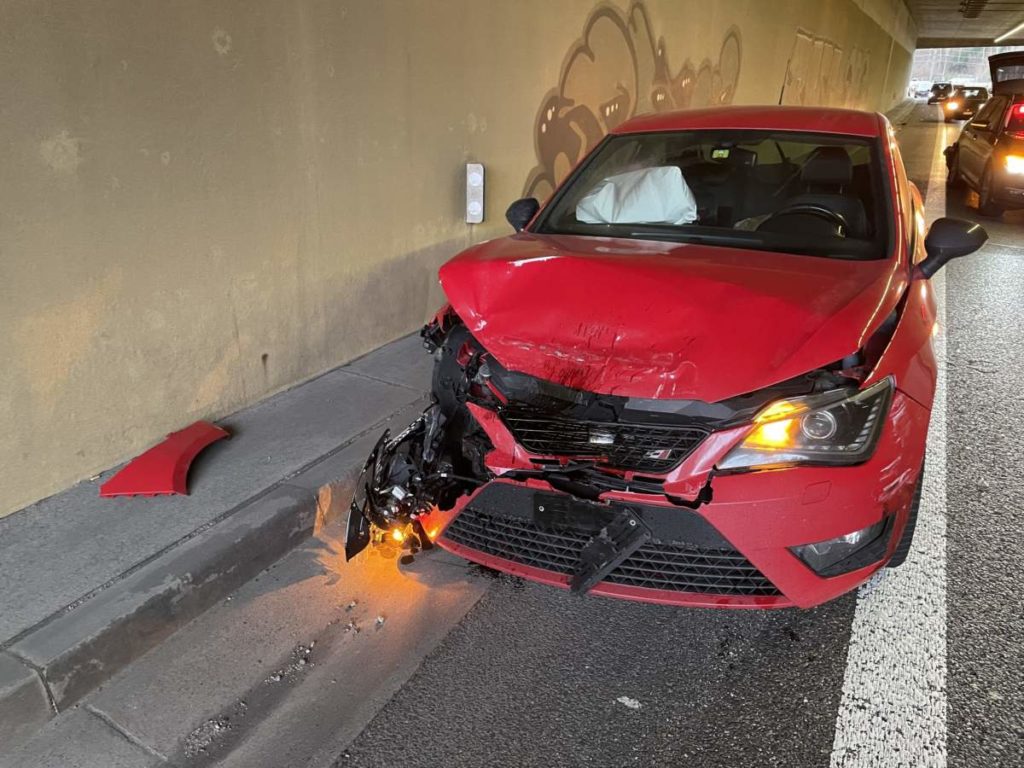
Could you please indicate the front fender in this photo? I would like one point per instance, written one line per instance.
(910, 354)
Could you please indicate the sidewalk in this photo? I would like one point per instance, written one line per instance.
(87, 585)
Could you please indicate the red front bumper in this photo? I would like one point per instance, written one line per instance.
(760, 514)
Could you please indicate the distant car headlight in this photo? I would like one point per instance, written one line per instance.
(952, 106)
(837, 427)
(1014, 163)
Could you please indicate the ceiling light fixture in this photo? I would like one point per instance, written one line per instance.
(1011, 33)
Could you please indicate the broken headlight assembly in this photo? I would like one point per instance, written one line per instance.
(431, 463)
(836, 427)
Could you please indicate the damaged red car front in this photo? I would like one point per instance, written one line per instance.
(701, 375)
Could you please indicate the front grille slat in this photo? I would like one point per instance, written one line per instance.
(673, 566)
(634, 446)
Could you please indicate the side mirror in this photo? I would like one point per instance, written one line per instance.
(950, 239)
(521, 212)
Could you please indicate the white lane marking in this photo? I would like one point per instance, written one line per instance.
(893, 707)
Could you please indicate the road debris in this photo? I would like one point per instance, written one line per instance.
(202, 738)
(626, 701)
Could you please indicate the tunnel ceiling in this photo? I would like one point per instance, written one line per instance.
(951, 23)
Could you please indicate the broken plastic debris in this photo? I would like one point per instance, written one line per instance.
(380, 621)
(164, 467)
(351, 605)
(627, 701)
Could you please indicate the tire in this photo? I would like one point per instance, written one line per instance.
(903, 548)
(986, 206)
(953, 177)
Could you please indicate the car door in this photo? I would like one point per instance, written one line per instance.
(978, 138)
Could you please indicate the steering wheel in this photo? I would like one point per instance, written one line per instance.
(810, 209)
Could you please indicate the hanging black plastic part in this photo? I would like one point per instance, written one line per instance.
(357, 530)
(623, 536)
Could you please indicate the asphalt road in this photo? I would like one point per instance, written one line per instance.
(985, 470)
(536, 677)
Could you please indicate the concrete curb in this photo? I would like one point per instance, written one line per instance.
(80, 649)
(55, 665)
(24, 705)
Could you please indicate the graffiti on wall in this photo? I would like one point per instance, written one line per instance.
(615, 70)
(819, 73)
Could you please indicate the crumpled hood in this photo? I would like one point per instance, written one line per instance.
(662, 320)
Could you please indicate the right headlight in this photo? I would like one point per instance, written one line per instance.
(837, 427)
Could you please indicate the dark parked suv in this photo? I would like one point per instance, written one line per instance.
(989, 155)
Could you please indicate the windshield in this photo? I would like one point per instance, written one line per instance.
(972, 93)
(811, 194)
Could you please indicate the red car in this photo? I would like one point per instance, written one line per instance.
(701, 374)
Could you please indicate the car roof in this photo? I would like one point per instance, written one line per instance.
(850, 122)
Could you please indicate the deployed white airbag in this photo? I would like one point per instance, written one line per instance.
(648, 196)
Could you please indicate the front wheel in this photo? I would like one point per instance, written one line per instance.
(986, 206)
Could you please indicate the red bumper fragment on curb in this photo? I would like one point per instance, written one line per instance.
(163, 469)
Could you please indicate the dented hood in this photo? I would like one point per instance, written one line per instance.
(649, 319)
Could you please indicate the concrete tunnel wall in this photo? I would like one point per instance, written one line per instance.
(205, 202)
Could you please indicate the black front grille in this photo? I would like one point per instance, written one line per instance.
(671, 566)
(640, 447)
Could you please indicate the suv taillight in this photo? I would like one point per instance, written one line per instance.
(1015, 121)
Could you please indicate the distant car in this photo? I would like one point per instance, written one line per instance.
(964, 102)
(989, 154)
(940, 92)
(701, 374)
(921, 90)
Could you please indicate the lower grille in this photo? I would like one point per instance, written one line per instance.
(633, 446)
(656, 565)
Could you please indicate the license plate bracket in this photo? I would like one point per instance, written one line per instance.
(557, 510)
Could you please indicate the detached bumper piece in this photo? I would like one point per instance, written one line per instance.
(675, 550)
(163, 469)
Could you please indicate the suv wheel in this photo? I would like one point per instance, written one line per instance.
(953, 177)
(986, 206)
(903, 548)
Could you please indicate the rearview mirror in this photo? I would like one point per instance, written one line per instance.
(521, 212)
(950, 239)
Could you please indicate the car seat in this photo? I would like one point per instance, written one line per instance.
(827, 179)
